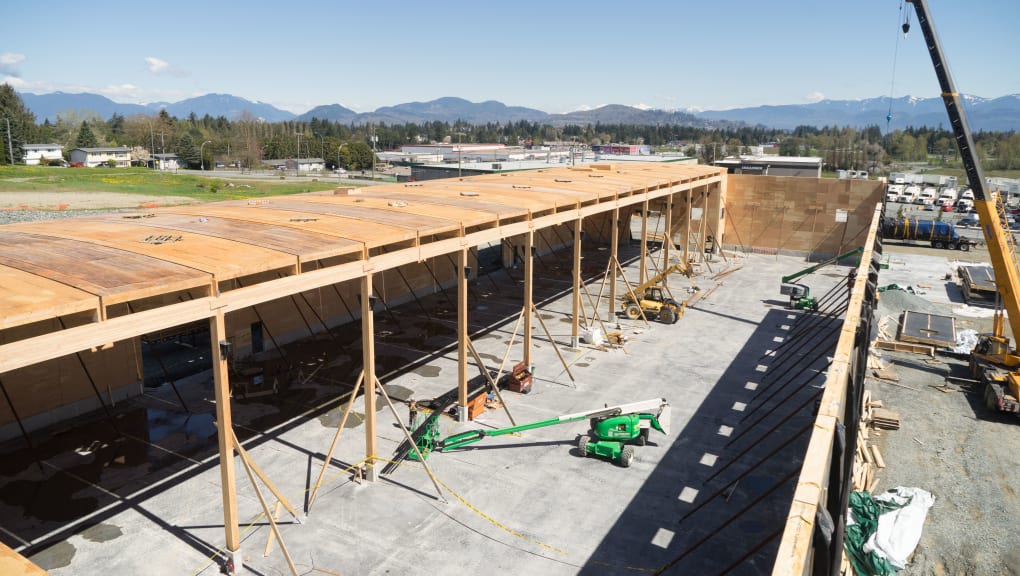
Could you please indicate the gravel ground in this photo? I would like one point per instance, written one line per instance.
(951, 446)
(34, 206)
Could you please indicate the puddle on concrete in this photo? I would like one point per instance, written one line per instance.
(398, 392)
(546, 316)
(492, 357)
(428, 371)
(57, 556)
(102, 533)
(582, 364)
(331, 419)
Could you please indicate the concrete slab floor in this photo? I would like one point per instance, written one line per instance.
(709, 497)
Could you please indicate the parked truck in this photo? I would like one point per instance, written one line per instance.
(909, 195)
(939, 234)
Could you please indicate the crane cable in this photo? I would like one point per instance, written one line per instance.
(904, 17)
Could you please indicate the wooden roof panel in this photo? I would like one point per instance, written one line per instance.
(326, 205)
(306, 245)
(28, 298)
(452, 199)
(450, 214)
(370, 233)
(225, 259)
(116, 275)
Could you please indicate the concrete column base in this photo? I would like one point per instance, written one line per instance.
(574, 342)
(371, 473)
(236, 558)
(462, 414)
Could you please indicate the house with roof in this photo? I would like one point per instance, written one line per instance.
(36, 154)
(92, 157)
(164, 162)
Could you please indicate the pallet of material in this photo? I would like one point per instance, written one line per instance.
(885, 419)
(905, 347)
(978, 282)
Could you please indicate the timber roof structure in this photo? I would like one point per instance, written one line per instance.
(121, 265)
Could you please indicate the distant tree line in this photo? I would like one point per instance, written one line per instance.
(251, 142)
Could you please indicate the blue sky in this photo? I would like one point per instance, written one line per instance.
(554, 55)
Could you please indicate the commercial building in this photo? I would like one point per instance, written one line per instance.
(297, 303)
(806, 166)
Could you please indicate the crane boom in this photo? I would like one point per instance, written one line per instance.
(1007, 276)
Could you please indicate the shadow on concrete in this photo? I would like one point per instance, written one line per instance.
(718, 499)
(87, 470)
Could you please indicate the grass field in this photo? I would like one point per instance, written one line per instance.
(148, 182)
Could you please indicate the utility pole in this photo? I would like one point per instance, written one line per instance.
(373, 138)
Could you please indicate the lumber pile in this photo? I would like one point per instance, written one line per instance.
(885, 419)
(867, 458)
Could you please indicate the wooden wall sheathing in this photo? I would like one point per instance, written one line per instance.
(793, 214)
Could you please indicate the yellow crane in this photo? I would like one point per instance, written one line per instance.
(993, 361)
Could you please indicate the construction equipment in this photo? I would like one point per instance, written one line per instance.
(614, 430)
(993, 360)
(654, 300)
(800, 294)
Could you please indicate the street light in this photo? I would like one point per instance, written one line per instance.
(201, 155)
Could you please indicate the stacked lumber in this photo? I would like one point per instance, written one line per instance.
(867, 458)
(885, 419)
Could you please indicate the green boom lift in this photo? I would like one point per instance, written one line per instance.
(614, 430)
(800, 294)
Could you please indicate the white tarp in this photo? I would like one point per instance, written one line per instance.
(899, 530)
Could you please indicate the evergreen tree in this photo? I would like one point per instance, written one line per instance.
(17, 125)
(188, 152)
(86, 139)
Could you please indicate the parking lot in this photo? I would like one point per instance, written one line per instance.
(966, 222)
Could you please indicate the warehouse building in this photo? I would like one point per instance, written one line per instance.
(84, 307)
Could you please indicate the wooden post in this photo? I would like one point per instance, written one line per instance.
(462, 335)
(643, 271)
(529, 268)
(576, 300)
(368, 358)
(687, 231)
(667, 239)
(614, 248)
(225, 433)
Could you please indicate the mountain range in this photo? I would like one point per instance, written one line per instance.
(997, 114)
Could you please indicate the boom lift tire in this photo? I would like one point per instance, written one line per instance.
(582, 446)
(626, 456)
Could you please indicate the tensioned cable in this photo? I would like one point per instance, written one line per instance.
(904, 16)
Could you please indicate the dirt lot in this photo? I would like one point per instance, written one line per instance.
(948, 442)
(84, 200)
